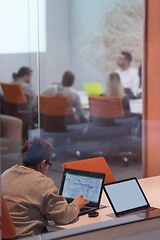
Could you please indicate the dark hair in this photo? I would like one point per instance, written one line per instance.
(35, 150)
(68, 79)
(22, 71)
(127, 55)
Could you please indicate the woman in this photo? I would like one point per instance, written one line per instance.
(23, 77)
(114, 88)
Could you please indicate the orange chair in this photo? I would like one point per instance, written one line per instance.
(16, 103)
(55, 110)
(6, 226)
(97, 164)
(13, 93)
(105, 109)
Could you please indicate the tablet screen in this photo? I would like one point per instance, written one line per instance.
(126, 195)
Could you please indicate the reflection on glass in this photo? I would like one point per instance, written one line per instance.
(90, 48)
(11, 140)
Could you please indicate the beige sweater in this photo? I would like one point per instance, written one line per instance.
(33, 199)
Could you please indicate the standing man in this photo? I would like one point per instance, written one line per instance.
(129, 75)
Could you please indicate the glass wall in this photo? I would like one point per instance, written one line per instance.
(73, 81)
(89, 44)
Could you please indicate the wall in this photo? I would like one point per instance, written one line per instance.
(152, 90)
(52, 62)
(84, 36)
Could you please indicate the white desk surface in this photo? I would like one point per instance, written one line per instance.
(135, 105)
(151, 188)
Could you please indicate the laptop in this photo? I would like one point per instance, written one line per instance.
(76, 182)
(93, 89)
(129, 92)
(127, 197)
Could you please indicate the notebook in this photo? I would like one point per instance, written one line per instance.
(76, 182)
(93, 89)
(126, 197)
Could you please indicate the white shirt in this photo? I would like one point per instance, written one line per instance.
(130, 79)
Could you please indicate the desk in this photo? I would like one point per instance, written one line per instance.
(135, 104)
(111, 228)
(151, 188)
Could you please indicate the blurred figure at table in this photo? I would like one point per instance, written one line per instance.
(24, 77)
(115, 88)
(66, 88)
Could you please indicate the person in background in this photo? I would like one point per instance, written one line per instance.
(140, 75)
(1, 104)
(31, 197)
(129, 75)
(115, 88)
(66, 88)
(23, 77)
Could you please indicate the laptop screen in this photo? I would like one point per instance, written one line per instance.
(126, 196)
(93, 89)
(76, 182)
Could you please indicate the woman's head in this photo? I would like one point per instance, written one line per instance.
(114, 85)
(68, 79)
(24, 73)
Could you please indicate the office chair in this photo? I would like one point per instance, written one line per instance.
(16, 104)
(110, 125)
(104, 110)
(7, 227)
(97, 164)
(55, 112)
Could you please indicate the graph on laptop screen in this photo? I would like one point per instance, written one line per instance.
(88, 186)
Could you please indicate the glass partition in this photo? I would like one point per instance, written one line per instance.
(90, 45)
(19, 76)
(71, 73)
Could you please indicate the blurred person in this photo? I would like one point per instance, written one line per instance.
(129, 75)
(23, 77)
(115, 88)
(66, 88)
(32, 198)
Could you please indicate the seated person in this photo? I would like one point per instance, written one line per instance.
(23, 77)
(65, 88)
(114, 88)
(31, 197)
(128, 75)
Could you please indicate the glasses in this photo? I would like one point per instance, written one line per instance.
(49, 164)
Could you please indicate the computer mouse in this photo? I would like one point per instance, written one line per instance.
(93, 213)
